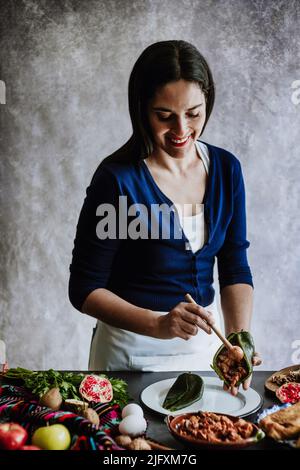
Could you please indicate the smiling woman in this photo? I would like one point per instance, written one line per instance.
(135, 286)
(179, 127)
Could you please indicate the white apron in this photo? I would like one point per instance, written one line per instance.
(116, 349)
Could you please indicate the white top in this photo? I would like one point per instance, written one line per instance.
(203, 154)
(194, 226)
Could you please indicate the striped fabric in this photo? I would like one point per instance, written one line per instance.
(19, 405)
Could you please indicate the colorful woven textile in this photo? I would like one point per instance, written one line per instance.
(19, 405)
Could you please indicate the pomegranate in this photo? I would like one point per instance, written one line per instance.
(289, 393)
(97, 389)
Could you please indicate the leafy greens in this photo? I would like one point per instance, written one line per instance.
(39, 382)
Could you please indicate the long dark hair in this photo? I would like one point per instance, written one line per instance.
(159, 64)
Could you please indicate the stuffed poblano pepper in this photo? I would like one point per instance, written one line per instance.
(186, 389)
(233, 372)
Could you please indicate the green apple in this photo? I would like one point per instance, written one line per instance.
(53, 437)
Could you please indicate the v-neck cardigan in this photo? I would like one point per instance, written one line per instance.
(157, 273)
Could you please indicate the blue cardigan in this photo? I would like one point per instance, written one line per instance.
(157, 273)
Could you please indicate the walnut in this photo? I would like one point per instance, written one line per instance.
(123, 441)
(139, 444)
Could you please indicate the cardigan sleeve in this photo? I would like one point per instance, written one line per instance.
(233, 266)
(92, 257)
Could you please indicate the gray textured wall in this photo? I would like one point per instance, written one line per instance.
(66, 66)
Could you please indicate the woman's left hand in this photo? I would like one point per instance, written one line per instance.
(256, 361)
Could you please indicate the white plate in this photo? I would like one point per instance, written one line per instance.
(214, 399)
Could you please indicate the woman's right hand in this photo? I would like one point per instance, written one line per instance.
(183, 321)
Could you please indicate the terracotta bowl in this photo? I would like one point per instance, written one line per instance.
(173, 423)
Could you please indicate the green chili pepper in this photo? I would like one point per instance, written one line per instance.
(245, 341)
(187, 389)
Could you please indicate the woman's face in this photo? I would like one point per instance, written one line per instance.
(177, 115)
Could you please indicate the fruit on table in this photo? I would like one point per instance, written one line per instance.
(52, 399)
(29, 447)
(289, 393)
(97, 389)
(12, 436)
(53, 437)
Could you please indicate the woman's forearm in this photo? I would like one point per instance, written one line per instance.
(112, 309)
(237, 306)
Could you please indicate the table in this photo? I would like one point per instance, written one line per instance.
(157, 429)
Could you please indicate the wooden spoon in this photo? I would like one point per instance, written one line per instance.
(235, 352)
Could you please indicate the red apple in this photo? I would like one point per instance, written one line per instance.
(12, 436)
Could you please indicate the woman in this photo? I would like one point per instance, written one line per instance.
(133, 278)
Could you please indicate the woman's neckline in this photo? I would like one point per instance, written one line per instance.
(164, 196)
(199, 153)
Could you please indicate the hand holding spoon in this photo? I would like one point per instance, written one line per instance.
(234, 352)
